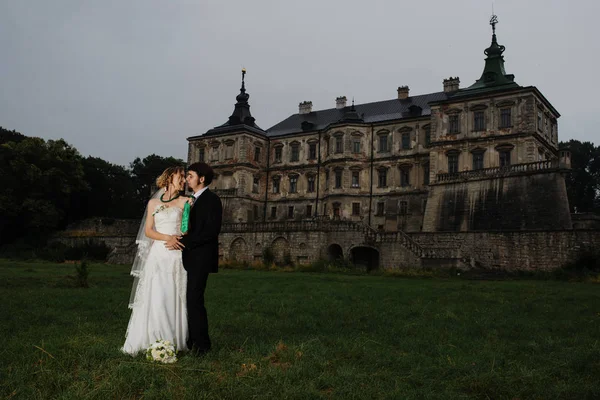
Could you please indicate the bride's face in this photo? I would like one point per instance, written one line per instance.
(178, 180)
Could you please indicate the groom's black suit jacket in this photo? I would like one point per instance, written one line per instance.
(201, 252)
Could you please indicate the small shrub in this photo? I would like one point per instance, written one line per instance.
(287, 260)
(81, 274)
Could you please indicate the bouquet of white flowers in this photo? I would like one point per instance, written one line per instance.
(162, 351)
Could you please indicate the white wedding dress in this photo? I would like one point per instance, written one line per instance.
(159, 310)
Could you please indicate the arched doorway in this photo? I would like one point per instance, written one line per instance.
(335, 252)
(366, 257)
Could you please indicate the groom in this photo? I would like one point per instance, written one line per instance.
(200, 249)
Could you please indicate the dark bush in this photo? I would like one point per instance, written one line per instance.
(90, 249)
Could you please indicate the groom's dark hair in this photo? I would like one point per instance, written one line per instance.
(203, 169)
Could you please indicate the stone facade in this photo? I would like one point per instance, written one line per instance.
(462, 177)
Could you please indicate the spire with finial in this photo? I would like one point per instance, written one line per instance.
(493, 73)
(241, 112)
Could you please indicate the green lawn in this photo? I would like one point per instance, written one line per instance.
(302, 336)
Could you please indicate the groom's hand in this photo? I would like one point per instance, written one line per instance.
(174, 244)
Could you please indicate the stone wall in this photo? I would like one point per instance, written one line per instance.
(520, 250)
(519, 197)
(308, 241)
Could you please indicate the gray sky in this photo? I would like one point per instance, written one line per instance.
(120, 79)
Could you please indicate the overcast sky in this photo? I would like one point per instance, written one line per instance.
(120, 79)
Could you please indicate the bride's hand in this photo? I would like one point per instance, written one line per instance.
(173, 243)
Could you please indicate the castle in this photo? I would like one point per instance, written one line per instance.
(467, 176)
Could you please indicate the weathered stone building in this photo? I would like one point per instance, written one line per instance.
(464, 176)
(483, 157)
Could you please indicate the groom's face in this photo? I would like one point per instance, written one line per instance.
(194, 181)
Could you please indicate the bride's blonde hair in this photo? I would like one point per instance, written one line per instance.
(165, 178)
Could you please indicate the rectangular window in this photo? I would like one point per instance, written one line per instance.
(356, 146)
(201, 153)
(336, 210)
(273, 212)
(477, 160)
(309, 210)
(255, 185)
(327, 179)
(312, 151)
(403, 207)
(229, 152)
(426, 174)
(453, 124)
(311, 183)
(257, 154)
(380, 208)
(505, 118)
(276, 185)
(404, 177)
(355, 209)
(214, 153)
(291, 212)
(339, 144)
(427, 136)
(382, 178)
(405, 141)
(479, 121)
(383, 143)
(539, 121)
(278, 151)
(255, 212)
(355, 179)
(452, 163)
(338, 179)
(294, 184)
(504, 158)
(295, 152)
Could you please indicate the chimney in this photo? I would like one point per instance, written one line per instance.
(451, 84)
(305, 107)
(402, 92)
(340, 102)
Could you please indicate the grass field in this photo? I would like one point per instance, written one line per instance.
(306, 336)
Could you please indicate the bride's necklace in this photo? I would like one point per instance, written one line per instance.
(167, 201)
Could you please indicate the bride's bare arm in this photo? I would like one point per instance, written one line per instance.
(149, 228)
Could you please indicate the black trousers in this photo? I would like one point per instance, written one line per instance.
(196, 312)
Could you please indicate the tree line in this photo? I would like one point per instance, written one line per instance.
(47, 184)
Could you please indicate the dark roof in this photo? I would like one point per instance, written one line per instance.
(378, 111)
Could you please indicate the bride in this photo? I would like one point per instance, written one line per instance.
(158, 297)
